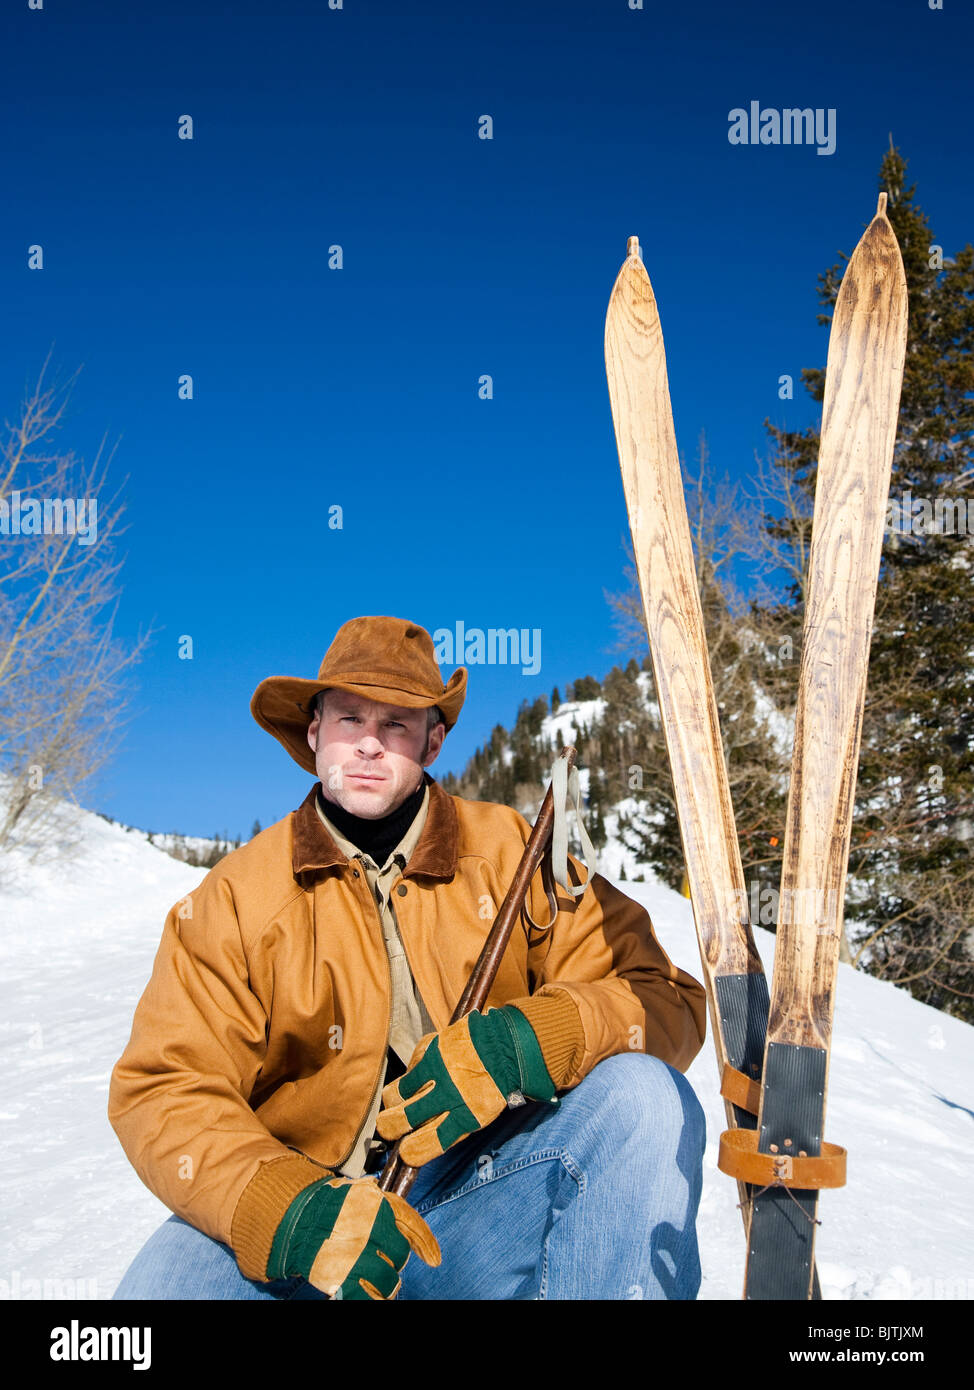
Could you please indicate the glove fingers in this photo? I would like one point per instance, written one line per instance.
(423, 1145)
(458, 1082)
(406, 1086)
(374, 1293)
(399, 1119)
(415, 1229)
(381, 1279)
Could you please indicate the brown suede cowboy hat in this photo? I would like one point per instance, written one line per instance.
(384, 659)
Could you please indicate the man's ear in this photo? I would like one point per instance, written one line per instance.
(313, 732)
(436, 736)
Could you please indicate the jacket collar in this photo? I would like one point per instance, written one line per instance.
(435, 854)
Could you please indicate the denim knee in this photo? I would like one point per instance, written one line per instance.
(645, 1094)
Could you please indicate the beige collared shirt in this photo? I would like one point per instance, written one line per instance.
(409, 1019)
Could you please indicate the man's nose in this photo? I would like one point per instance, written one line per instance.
(369, 745)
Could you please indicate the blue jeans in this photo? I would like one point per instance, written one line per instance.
(593, 1197)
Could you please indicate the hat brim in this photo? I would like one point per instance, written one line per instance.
(283, 705)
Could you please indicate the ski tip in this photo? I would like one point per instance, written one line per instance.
(632, 247)
(881, 206)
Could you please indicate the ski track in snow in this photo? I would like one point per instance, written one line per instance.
(76, 950)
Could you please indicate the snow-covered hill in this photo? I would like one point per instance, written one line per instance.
(77, 945)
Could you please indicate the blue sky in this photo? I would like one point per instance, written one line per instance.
(358, 387)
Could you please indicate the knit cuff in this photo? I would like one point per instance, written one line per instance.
(558, 1027)
(261, 1207)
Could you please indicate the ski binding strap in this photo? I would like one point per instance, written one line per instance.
(740, 1090)
(738, 1157)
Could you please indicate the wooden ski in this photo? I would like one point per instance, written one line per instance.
(639, 393)
(864, 374)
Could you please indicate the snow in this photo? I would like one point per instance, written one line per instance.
(613, 857)
(571, 717)
(77, 947)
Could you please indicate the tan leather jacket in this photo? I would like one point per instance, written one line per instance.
(263, 1027)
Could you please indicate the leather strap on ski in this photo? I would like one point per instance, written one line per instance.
(738, 1157)
(740, 1090)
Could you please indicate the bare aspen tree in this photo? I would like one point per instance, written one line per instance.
(63, 671)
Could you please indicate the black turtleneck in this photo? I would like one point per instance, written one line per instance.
(379, 837)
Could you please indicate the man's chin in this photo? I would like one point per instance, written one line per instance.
(369, 801)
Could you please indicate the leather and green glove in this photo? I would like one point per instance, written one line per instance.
(461, 1079)
(349, 1239)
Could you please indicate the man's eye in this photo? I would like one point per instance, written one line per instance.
(396, 725)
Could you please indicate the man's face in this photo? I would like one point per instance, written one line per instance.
(370, 756)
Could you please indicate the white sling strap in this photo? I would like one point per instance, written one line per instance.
(564, 784)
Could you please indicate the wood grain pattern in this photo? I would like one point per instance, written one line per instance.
(648, 457)
(864, 375)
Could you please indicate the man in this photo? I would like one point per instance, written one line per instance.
(297, 1019)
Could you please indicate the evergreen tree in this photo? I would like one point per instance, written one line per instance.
(527, 764)
(593, 809)
(587, 688)
(624, 730)
(910, 905)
